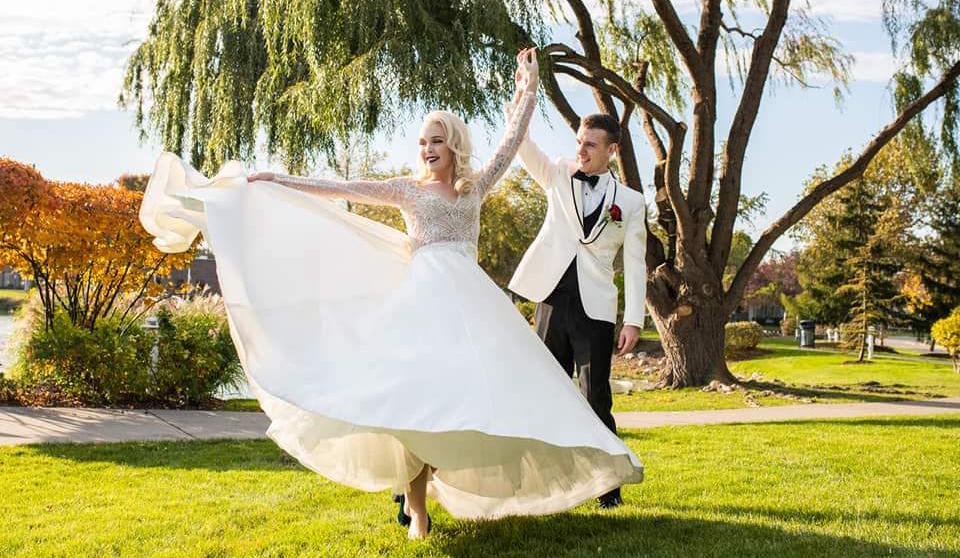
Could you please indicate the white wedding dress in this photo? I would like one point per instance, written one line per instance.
(375, 352)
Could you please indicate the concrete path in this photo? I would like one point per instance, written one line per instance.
(29, 425)
(812, 411)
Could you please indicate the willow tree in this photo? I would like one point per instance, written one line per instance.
(212, 77)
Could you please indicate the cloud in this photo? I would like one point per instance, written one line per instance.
(63, 59)
(847, 10)
(839, 10)
(876, 67)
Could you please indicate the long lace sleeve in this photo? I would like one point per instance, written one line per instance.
(519, 119)
(391, 192)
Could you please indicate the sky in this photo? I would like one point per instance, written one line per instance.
(62, 61)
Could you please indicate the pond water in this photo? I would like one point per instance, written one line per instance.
(6, 328)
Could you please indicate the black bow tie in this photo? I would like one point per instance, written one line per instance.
(583, 177)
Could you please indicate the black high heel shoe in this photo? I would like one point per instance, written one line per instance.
(402, 518)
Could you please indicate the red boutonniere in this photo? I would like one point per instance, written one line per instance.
(614, 213)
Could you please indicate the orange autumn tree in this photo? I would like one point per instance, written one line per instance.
(82, 245)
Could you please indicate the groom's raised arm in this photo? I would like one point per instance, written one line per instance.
(635, 268)
(537, 163)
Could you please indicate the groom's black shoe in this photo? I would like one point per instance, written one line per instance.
(611, 499)
(402, 518)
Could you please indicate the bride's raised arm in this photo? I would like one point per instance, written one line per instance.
(375, 192)
(518, 120)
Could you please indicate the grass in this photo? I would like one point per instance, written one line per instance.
(803, 367)
(857, 488)
(822, 376)
(815, 376)
(251, 405)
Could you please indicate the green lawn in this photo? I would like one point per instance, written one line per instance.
(803, 376)
(854, 488)
(821, 376)
(829, 368)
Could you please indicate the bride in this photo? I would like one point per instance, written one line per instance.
(388, 360)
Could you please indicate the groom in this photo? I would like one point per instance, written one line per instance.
(568, 269)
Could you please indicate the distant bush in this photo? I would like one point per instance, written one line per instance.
(741, 336)
(788, 326)
(947, 333)
(182, 363)
(70, 365)
(851, 336)
(196, 356)
(8, 390)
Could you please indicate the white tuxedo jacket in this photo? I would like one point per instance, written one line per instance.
(561, 239)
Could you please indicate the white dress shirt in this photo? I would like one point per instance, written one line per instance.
(593, 195)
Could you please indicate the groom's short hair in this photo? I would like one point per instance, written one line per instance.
(603, 122)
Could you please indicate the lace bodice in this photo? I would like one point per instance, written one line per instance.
(430, 216)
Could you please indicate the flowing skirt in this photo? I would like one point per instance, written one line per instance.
(372, 361)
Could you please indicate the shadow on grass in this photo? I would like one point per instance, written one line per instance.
(657, 535)
(871, 392)
(945, 421)
(817, 517)
(213, 455)
(926, 422)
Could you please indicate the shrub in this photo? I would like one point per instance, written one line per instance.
(8, 390)
(71, 365)
(196, 356)
(947, 333)
(851, 336)
(184, 362)
(788, 326)
(741, 336)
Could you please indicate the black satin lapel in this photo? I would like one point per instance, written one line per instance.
(578, 210)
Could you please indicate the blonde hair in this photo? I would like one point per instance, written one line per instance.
(457, 136)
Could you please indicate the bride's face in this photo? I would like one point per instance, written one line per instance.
(435, 153)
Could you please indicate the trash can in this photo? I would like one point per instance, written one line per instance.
(807, 330)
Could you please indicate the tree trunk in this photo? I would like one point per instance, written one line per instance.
(690, 320)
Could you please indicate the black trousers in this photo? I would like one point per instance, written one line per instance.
(581, 344)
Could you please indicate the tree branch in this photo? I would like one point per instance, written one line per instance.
(780, 62)
(710, 19)
(665, 216)
(704, 94)
(560, 101)
(561, 53)
(626, 157)
(738, 138)
(584, 78)
(831, 185)
(678, 34)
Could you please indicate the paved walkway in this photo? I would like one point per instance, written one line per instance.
(29, 425)
(811, 411)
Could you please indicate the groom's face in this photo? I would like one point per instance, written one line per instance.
(594, 150)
